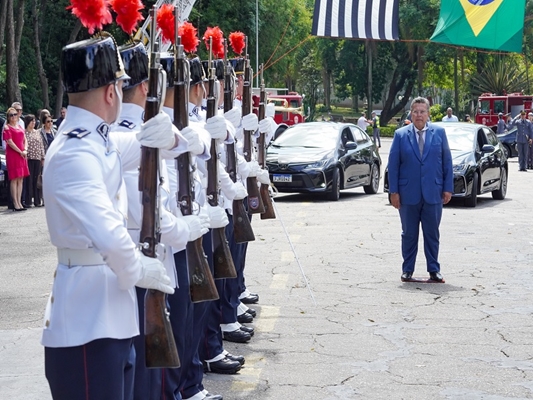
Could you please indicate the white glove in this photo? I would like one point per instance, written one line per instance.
(217, 217)
(250, 122)
(240, 191)
(230, 131)
(265, 126)
(216, 126)
(254, 168)
(270, 110)
(262, 176)
(153, 275)
(243, 168)
(234, 116)
(198, 225)
(157, 132)
(195, 146)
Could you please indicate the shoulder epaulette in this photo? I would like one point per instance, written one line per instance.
(127, 124)
(77, 133)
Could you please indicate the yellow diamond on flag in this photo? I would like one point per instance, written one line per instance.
(479, 12)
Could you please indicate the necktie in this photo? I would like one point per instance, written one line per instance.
(421, 142)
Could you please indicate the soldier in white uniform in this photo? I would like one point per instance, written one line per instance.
(175, 231)
(91, 316)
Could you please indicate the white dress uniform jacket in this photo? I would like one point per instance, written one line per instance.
(81, 180)
(174, 231)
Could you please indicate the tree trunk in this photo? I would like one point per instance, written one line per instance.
(60, 90)
(3, 18)
(327, 88)
(19, 23)
(456, 83)
(420, 67)
(37, 45)
(369, 86)
(12, 68)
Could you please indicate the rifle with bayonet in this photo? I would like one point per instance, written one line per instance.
(242, 228)
(255, 203)
(202, 285)
(160, 346)
(261, 156)
(222, 259)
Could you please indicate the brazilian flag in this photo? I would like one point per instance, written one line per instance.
(486, 24)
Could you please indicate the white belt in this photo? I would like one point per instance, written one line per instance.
(79, 257)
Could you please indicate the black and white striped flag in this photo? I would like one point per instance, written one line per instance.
(356, 19)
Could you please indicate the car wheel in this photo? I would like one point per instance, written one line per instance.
(335, 186)
(507, 151)
(502, 191)
(472, 200)
(374, 181)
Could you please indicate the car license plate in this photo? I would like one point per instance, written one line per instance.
(282, 178)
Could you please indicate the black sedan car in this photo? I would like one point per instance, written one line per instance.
(479, 162)
(324, 157)
(508, 139)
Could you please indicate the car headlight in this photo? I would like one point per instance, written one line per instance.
(316, 164)
(460, 167)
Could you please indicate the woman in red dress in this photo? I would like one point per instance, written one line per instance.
(16, 156)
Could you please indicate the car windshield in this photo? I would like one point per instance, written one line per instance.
(459, 138)
(322, 136)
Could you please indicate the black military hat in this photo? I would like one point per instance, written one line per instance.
(135, 59)
(197, 71)
(167, 63)
(91, 64)
(238, 65)
(218, 65)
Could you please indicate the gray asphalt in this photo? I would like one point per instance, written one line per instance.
(369, 336)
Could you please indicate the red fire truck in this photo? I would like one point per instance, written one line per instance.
(490, 105)
(289, 107)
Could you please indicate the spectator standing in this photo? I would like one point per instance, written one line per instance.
(35, 148)
(524, 135)
(18, 107)
(449, 117)
(375, 129)
(16, 156)
(48, 133)
(362, 122)
(467, 119)
(61, 118)
(502, 126)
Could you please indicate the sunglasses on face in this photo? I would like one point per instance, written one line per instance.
(48, 120)
(12, 115)
(18, 109)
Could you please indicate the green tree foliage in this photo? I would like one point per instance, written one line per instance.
(500, 75)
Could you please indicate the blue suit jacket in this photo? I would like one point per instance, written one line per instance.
(417, 177)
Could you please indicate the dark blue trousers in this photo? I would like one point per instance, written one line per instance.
(99, 370)
(147, 383)
(411, 216)
(195, 373)
(181, 319)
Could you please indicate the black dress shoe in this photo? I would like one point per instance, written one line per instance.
(436, 276)
(252, 312)
(245, 318)
(211, 396)
(239, 359)
(224, 366)
(406, 276)
(252, 298)
(236, 336)
(247, 329)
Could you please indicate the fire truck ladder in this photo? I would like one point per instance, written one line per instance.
(143, 34)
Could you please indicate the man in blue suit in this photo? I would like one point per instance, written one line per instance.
(420, 182)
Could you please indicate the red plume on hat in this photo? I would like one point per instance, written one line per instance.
(189, 37)
(93, 14)
(128, 14)
(217, 37)
(166, 22)
(236, 40)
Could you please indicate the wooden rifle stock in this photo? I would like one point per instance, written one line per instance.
(160, 346)
(242, 228)
(261, 157)
(222, 259)
(201, 282)
(255, 203)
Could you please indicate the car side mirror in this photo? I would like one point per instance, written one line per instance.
(350, 145)
(487, 148)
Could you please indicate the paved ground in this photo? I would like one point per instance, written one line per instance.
(369, 336)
